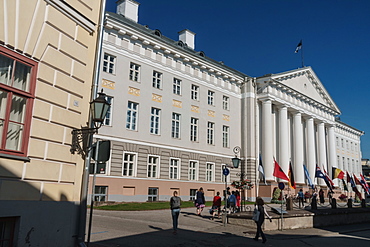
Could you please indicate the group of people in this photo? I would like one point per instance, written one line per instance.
(232, 202)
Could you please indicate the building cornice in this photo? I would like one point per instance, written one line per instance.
(139, 33)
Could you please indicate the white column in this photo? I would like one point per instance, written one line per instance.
(283, 139)
(298, 148)
(322, 149)
(332, 151)
(311, 151)
(267, 139)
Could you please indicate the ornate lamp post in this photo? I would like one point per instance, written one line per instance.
(98, 110)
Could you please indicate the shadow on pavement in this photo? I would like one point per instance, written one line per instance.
(185, 238)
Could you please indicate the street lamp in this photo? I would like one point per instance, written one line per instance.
(98, 110)
(236, 160)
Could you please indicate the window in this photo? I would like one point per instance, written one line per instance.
(225, 102)
(129, 161)
(154, 120)
(193, 170)
(194, 92)
(17, 88)
(210, 172)
(210, 133)
(134, 72)
(108, 63)
(152, 194)
(194, 129)
(211, 96)
(108, 115)
(7, 230)
(337, 141)
(176, 86)
(100, 193)
(192, 193)
(153, 162)
(225, 136)
(132, 112)
(175, 133)
(174, 168)
(157, 80)
(342, 143)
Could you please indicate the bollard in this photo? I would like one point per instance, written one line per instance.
(289, 204)
(333, 203)
(363, 203)
(349, 203)
(314, 203)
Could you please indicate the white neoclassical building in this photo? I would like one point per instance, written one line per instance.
(177, 114)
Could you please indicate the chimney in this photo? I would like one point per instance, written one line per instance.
(187, 37)
(128, 8)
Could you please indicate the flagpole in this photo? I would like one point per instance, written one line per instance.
(302, 54)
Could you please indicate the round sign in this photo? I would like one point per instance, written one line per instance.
(226, 171)
(281, 185)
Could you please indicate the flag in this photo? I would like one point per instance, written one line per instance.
(299, 46)
(360, 181)
(365, 185)
(308, 177)
(320, 174)
(279, 173)
(327, 177)
(344, 185)
(348, 177)
(291, 177)
(261, 170)
(337, 173)
(357, 182)
(353, 185)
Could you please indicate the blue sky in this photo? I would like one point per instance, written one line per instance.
(258, 37)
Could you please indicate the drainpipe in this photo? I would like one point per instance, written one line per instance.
(81, 224)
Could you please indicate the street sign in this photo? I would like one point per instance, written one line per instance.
(281, 185)
(226, 171)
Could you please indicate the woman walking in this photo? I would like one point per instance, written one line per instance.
(175, 203)
(262, 212)
(200, 201)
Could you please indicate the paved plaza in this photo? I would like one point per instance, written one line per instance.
(154, 228)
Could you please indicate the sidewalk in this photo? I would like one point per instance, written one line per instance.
(153, 228)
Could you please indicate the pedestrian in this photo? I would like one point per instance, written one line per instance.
(330, 195)
(200, 201)
(262, 212)
(321, 196)
(216, 205)
(300, 197)
(232, 202)
(175, 203)
(238, 200)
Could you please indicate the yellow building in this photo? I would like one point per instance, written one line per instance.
(47, 54)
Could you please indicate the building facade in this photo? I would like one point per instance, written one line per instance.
(47, 53)
(177, 115)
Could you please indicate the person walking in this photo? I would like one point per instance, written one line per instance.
(216, 205)
(232, 202)
(175, 203)
(200, 201)
(300, 197)
(262, 212)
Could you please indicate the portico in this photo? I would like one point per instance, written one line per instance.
(297, 123)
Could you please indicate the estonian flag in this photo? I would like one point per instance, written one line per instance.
(299, 46)
(261, 170)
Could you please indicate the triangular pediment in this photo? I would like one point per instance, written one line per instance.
(305, 82)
